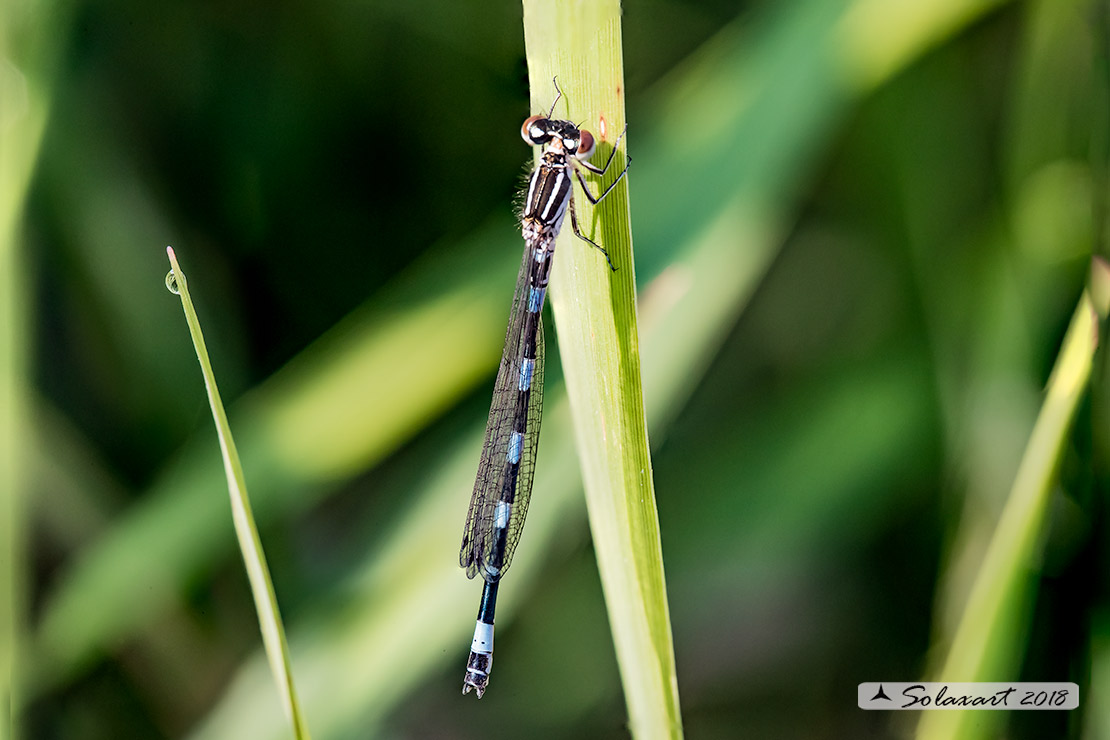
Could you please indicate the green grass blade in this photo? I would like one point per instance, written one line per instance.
(595, 314)
(408, 610)
(986, 645)
(262, 587)
(369, 377)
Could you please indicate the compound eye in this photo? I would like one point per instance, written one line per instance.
(585, 144)
(534, 131)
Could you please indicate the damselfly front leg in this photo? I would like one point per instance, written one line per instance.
(581, 161)
(601, 170)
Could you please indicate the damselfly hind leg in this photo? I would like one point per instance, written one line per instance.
(578, 232)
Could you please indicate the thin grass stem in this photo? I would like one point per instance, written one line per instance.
(262, 587)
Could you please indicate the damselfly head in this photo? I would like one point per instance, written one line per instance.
(541, 130)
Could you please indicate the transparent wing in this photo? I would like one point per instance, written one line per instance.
(486, 548)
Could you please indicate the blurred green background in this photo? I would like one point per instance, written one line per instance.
(893, 205)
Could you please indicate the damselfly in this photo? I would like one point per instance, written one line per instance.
(504, 483)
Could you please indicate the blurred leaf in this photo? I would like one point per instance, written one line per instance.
(987, 644)
(31, 40)
(992, 575)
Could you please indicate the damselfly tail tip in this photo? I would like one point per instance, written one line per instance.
(477, 673)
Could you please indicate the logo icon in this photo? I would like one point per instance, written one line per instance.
(881, 695)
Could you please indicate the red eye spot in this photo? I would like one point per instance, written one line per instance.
(526, 131)
(585, 145)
